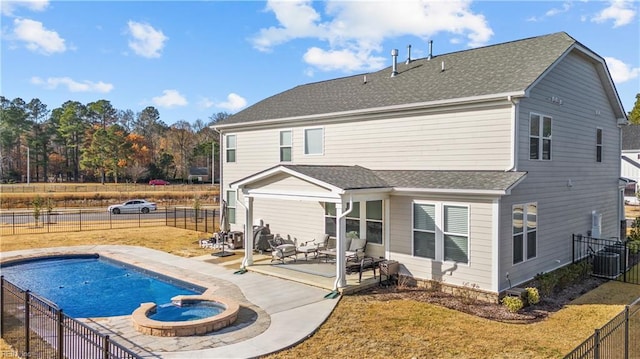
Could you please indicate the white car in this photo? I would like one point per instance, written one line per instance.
(133, 206)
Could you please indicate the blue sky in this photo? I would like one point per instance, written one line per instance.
(192, 59)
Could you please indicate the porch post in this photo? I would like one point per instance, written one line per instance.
(248, 232)
(341, 280)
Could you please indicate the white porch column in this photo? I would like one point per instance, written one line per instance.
(248, 232)
(341, 269)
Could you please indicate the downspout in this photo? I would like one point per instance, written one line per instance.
(514, 134)
(340, 265)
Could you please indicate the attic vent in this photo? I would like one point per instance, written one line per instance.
(394, 59)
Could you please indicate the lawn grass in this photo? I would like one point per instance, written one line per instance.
(363, 326)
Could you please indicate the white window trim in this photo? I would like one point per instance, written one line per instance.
(439, 232)
(600, 145)
(362, 220)
(304, 141)
(525, 232)
(226, 149)
(540, 137)
(280, 146)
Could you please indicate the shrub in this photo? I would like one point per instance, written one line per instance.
(532, 295)
(548, 282)
(514, 304)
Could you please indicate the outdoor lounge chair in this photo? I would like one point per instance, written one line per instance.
(355, 251)
(313, 246)
(282, 248)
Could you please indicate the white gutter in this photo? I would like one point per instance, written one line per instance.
(340, 255)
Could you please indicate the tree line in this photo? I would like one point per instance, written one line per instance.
(96, 142)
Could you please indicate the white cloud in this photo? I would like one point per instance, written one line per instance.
(355, 30)
(621, 12)
(621, 72)
(234, 103)
(37, 38)
(344, 60)
(8, 7)
(566, 6)
(205, 103)
(52, 83)
(145, 40)
(169, 99)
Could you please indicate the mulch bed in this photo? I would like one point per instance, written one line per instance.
(491, 311)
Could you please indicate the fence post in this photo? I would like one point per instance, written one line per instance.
(1, 306)
(27, 349)
(626, 332)
(13, 222)
(80, 218)
(105, 347)
(60, 334)
(596, 348)
(573, 248)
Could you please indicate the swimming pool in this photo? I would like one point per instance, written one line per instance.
(93, 286)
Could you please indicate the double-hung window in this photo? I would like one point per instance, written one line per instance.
(231, 206)
(525, 232)
(441, 232)
(598, 145)
(365, 220)
(539, 137)
(313, 141)
(285, 146)
(231, 148)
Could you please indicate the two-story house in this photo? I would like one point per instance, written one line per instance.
(469, 168)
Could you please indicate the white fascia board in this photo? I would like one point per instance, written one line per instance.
(294, 196)
(315, 181)
(430, 105)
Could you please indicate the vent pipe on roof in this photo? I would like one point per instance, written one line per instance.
(442, 66)
(430, 50)
(408, 55)
(394, 58)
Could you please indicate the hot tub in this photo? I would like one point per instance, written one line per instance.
(180, 323)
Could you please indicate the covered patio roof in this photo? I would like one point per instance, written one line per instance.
(339, 180)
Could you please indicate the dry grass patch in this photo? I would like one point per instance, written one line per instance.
(167, 239)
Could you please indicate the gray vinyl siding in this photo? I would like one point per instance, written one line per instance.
(477, 271)
(562, 209)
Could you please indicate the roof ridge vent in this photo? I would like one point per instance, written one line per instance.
(394, 59)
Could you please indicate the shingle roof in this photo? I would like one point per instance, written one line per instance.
(631, 137)
(357, 177)
(498, 69)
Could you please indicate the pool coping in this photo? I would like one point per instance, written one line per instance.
(285, 312)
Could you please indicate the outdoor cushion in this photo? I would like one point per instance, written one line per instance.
(357, 244)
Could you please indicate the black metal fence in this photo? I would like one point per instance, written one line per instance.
(36, 328)
(613, 259)
(618, 339)
(30, 222)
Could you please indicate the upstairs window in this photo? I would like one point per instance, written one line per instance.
(598, 145)
(285, 146)
(539, 137)
(231, 148)
(313, 141)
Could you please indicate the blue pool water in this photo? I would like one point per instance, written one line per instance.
(175, 313)
(95, 287)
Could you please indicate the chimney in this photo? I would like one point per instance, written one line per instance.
(430, 50)
(394, 57)
(408, 55)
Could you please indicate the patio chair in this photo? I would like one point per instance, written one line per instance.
(356, 249)
(282, 248)
(313, 246)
